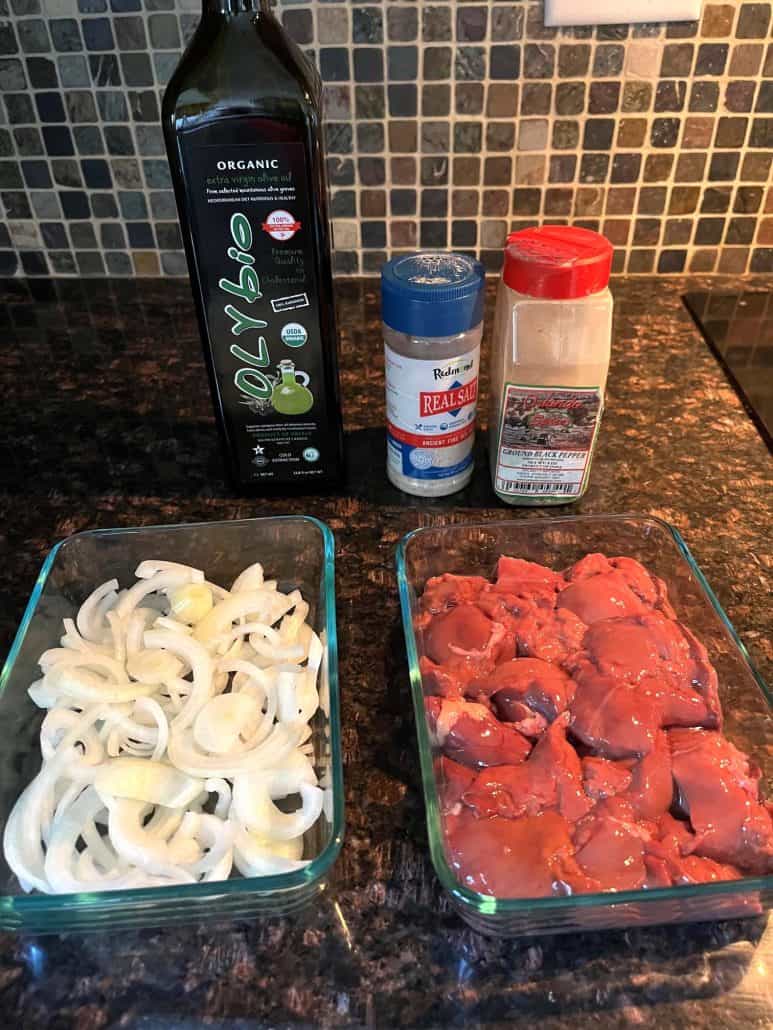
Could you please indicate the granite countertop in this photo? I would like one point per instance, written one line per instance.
(106, 421)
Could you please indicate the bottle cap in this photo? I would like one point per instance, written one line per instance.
(557, 262)
(432, 294)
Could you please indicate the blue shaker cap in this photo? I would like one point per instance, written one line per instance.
(433, 293)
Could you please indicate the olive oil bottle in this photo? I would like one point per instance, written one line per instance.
(242, 123)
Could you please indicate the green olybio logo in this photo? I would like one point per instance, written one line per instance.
(290, 397)
(249, 379)
(294, 334)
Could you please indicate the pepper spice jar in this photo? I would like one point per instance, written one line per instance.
(549, 363)
(432, 309)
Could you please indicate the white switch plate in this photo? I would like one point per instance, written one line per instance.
(613, 12)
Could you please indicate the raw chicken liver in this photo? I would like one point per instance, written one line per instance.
(609, 588)
(524, 686)
(444, 592)
(720, 794)
(465, 633)
(609, 845)
(551, 777)
(670, 860)
(470, 734)
(604, 779)
(513, 858)
(636, 675)
(630, 783)
(452, 781)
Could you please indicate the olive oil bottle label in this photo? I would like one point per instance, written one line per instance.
(255, 258)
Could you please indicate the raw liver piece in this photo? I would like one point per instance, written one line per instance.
(662, 652)
(610, 846)
(606, 588)
(460, 644)
(665, 851)
(463, 631)
(613, 717)
(511, 791)
(513, 858)
(551, 777)
(515, 574)
(719, 793)
(670, 860)
(452, 781)
(553, 636)
(695, 869)
(636, 675)
(526, 682)
(444, 681)
(640, 647)
(652, 784)
(602, 778)
(506, 607)
(446, 591)
(469, 733)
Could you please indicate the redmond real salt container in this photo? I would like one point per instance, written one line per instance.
(549, 363)
(432, 309)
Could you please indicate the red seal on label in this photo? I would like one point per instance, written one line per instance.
(281, 225)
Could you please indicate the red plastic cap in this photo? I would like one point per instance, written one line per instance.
(557, 262)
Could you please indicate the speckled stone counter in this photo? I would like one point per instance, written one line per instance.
(106, 421)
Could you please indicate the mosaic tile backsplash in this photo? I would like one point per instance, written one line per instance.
(449, 124)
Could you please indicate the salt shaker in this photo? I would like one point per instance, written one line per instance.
(432, 309)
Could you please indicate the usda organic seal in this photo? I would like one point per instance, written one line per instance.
(311, 454)
(294, 335)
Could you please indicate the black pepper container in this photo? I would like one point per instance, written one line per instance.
(243, 131)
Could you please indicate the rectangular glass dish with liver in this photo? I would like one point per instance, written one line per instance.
(593, 737)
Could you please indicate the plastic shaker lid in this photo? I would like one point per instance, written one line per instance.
(433, 293)
(557, 262)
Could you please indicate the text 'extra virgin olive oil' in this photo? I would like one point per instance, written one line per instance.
(242, 122)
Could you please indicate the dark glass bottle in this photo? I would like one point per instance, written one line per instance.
(242, 123)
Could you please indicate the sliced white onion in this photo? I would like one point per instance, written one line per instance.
(250, 578)
(89, 619)
(84, 685)
(200, 662)
(148, 569)
(153, 666)
(191, 603)
(222, 721)
(61, 853)
(253, 807)
(160, 581)
(251, 602)
(184, 754)
(258, 856)
(142, 779)
(222, 788)
(163, 701)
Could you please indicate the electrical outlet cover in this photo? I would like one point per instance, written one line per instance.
(612, 12)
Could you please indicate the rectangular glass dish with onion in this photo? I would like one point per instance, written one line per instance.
(469, 795)
(296, 551)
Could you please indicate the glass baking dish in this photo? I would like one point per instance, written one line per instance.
(474, 549)
(299, 551)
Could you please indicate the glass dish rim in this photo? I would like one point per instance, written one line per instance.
(486, 904)
(16, 905)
